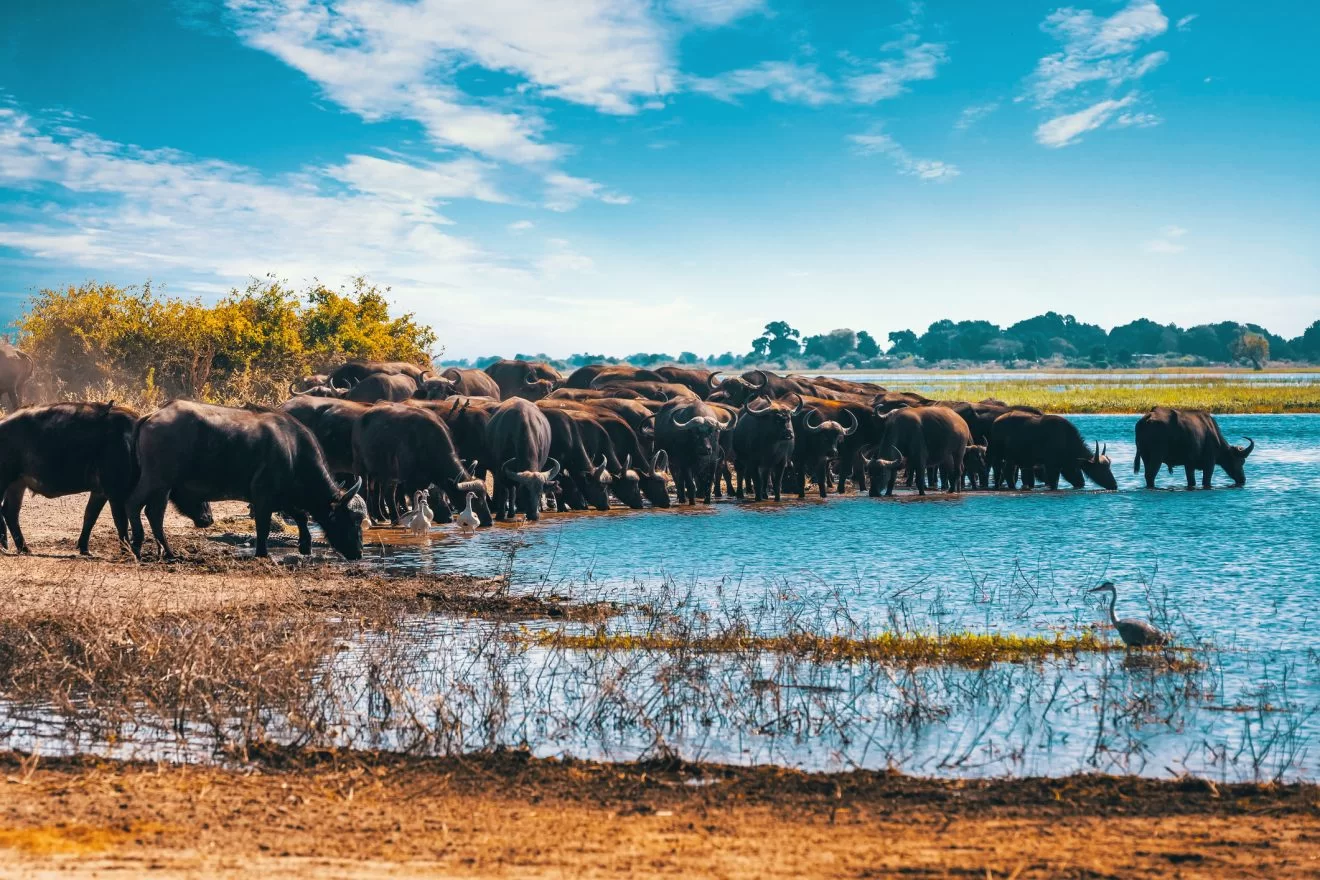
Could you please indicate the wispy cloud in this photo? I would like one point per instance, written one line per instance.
(877, 143)
(714, 13)
(161, 212)
(1099, 55)
(912, 60)
(785, 81)
(520, 226)
(1169, 241)
(1061, 131)
(971, 116)
(1185, 23)
(564, 192)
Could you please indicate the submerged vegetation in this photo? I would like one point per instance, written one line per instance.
(962, 649)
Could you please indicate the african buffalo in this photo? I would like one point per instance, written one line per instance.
(1190, 438)
(518, 448)
(658, 391)
(701, 382)
(924, 437)
(15, 371)
(354, 372)
(472, 383)
(264, 457)
(822, 428)
(587, 376)
(393, 387)
(331, 422)
(762, 441)
(530, 380)
(408, 448)
(466, 418)
(689, 432)
(581, 480)
(1022, 441)
(66, 448)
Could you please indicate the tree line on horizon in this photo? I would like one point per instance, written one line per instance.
(1047, 338)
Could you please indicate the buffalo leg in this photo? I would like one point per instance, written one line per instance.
(1191, 475)
(156, 517)
(1052, 478)
(304, 534)
(777, 475)
(1207, 472)
(1152, 466)
(11, 505)
(95, 504)
(261, 516)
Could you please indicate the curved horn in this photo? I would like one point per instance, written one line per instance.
(351, 490)
(848, 432)
(1104, 449)
(627, 463)
(727, 425)
(1097, 451)
(550, 475)
(656, 467)
(806, 423)
(512, 475)
(802, 403)
(765, 380)
(1251, 445)
(711, 384)
(680, 425)
(530, 378)
(747, 407)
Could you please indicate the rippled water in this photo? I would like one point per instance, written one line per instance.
(1234, 573)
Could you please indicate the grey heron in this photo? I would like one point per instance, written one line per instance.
(1134, 633)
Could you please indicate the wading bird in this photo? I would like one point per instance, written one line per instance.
(1135, 633)
(467, 520)
(419, 522)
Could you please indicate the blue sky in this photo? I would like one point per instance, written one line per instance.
(616, 176)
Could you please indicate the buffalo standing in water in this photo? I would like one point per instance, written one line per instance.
(924, 437)
(266, 458)
(518, 438)
(67, 448)
(1022, 441)
(1190, 438)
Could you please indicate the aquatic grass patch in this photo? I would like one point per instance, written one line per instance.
(963, 649)
(1217, 396)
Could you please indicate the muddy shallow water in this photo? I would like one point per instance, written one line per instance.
(1232, 572)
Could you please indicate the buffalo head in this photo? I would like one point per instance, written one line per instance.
(1098, 468)
(342, 522)
(881, 470)
(1234, 459)
(531, 485)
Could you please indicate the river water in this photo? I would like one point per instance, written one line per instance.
(1233, 573)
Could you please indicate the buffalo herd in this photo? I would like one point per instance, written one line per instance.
(366, 440)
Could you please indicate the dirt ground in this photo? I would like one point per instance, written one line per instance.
(511, 816)
(507, 815)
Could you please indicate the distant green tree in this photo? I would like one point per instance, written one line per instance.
(1251, 347)
(1144, 336)
(867, 347)
(902, 342)
(830, 346)
(779, 341)
(1099, 356)
(1309, 342)
(687, 357)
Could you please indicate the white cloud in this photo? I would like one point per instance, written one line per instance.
(392, 59)
(564, 192)
(520, 226)
(878, 143)
(972, 115)
(714, 13)
(1062, 131)
(1185, 23)
(784, 81)
(1097, 50)
(888, 78)
(1137, 120)
(162, 213)
(1167, 243)
(561, 259)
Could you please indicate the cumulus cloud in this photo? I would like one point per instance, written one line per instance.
(784, 81)
(877, 143)
(394, 59)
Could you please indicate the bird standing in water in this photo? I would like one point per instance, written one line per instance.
(467, 520)
(419, 521)
(1134, 633)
